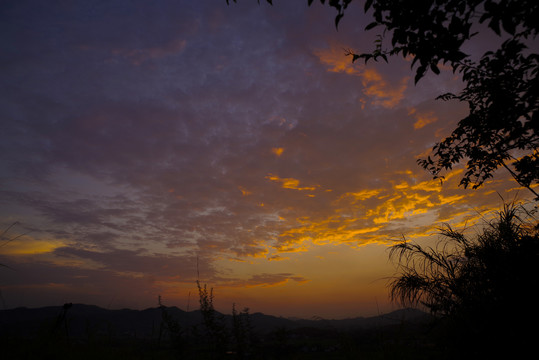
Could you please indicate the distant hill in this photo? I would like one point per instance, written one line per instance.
(90, 320)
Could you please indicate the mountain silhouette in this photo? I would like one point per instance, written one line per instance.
(127, 323)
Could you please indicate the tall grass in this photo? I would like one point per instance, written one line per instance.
(5, 239)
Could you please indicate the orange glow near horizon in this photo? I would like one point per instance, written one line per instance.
(31, 246)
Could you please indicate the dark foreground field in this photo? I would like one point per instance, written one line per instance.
(89, 332)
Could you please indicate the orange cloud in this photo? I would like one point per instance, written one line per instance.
(374, 84)
(361, 195)
(289, 183)
(29, 246)
(278, 151)
(422, 119)
(367, 216)
(244, 191)
(384, 94)
(336, 61)
(334, 229)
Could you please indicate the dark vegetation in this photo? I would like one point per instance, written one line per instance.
(481, 289)
(87, 332)
(6, 239)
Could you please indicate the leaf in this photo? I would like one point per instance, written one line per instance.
(508, 24)
(367, 57)
(420, 73)
(434, 68)
(368, 4)
(354, 55)
(446, 96)
(494, 24)
(337, 19)
(414, 61)
(371, 25)
(336, 4)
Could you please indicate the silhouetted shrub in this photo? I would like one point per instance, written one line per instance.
(481, 288)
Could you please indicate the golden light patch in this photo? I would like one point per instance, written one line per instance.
(399, 207)
(361, 195)
(430, 186)
(450, 199)
(423, 120)
(401, 186)
(287, 248)
(332, 230)
(336, 61)
(244, 191)
(363, 103)
(455, 173)
(27, 246)
(290, 183)
(405, 172)
(278, 151)
(375, 86)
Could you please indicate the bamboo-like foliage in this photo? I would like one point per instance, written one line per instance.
(429, 276)
(459, 270)
(483, 285)
(241, 332)
(169, 325)
(4, 239)
(216, 333)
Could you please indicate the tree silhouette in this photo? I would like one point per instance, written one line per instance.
(481, 287)
(501, 89)
(216, 334)
(501, 130)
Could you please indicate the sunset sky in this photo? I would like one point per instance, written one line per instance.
(148, 144)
